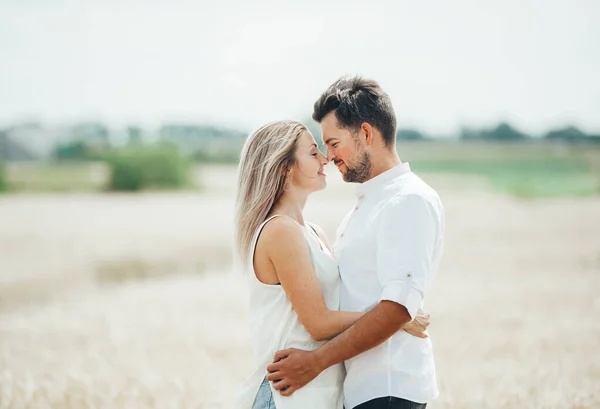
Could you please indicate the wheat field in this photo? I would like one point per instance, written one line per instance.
(130, 301)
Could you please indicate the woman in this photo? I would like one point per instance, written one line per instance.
(293, 277)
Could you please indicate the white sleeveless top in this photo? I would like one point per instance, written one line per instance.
(275, 326)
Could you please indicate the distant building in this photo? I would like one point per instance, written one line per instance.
(11, 150)
(30, 141)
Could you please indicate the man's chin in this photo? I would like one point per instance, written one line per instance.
(346, 174)
(351, 177)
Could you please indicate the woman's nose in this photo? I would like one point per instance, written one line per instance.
(324, 159)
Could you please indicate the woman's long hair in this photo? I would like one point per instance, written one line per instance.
(266, 159)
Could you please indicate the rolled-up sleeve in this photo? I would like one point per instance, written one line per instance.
(405, 246)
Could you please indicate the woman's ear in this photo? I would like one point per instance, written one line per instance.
(287, 172)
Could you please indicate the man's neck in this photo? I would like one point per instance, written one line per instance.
(384, 162)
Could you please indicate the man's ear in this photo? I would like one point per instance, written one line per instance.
(367, 131)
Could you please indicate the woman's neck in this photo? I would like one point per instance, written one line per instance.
(291, 204)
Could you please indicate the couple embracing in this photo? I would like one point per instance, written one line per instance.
(338, 326)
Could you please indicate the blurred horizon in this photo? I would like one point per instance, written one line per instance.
(445, 66)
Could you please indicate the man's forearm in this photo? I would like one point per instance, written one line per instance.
(383, 321)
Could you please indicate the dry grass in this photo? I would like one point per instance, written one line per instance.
(515, 305)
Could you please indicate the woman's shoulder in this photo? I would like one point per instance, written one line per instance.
(281, 229)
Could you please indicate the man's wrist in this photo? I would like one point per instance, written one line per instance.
(321, 361)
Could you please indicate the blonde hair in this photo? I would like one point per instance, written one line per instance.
(267, 157)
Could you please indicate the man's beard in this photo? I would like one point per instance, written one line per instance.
(361, 171)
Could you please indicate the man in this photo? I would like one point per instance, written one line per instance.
(388, 248)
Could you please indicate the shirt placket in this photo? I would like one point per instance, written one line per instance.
(351, 218)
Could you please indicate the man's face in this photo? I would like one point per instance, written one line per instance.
(346, 149)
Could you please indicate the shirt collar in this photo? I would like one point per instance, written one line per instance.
(380, 181)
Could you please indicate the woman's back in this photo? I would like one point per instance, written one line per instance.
(275, 326)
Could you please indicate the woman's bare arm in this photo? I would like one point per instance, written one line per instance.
(285, 245)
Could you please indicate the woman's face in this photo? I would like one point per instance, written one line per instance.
(307, 172)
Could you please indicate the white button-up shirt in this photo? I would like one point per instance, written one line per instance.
(388, 248)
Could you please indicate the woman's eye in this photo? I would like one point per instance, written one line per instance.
(314, 154)
(335, 145)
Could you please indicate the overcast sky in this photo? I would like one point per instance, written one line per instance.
(242, 63)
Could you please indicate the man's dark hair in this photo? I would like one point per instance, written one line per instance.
(356, 100)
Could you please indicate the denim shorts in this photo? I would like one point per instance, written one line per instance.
(264, 397)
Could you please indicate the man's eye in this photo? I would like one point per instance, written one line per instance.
(335, 145)
(314, 154)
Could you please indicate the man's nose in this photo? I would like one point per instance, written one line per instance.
(330, 155)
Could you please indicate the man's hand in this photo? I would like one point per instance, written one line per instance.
(292, 369)
(418, 326)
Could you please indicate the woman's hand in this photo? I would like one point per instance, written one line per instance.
(418, 326)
